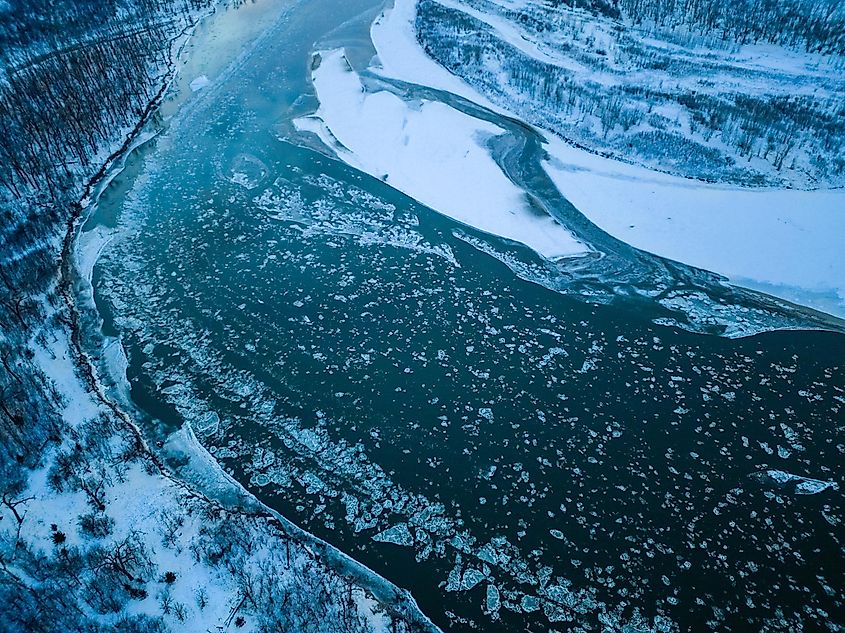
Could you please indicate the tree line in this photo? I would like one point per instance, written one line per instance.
(713, 135)
(74, 73)
(814, 25)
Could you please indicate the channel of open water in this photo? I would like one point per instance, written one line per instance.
(523, 444)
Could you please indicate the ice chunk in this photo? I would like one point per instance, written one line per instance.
(398, 534)
(454, 579)
(493, 599)
(199, 83)
(209, 423)
(802, 485)
(814, 486)
(471, 578)
(529, 603)
(488, 554)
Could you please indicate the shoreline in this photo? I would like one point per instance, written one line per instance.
(70, 280)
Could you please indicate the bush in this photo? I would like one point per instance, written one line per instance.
(96, 524)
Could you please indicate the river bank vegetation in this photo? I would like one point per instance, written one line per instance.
(687, 88)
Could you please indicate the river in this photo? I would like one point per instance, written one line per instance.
(523, 444)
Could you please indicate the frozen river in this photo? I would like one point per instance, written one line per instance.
(524, 444)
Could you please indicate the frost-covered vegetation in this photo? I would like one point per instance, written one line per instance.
(814, 25)
(689, 88)
(55, 121)
(74, 78)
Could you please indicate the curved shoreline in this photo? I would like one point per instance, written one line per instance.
(71, 283)
(336, 557)
(679, 294)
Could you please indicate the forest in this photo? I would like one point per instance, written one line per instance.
(75, 75)
(676, 94)
(813, 25)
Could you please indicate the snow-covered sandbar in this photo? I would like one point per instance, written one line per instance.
(787, 243)
(431, 152)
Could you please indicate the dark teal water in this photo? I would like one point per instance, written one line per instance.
(520, 456)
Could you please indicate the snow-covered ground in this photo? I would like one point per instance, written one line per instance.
(674, 101)
(150, 546)
(429, 151)
(401, 57)
(785, 242)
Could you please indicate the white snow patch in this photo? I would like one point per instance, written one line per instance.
(199, 83)
(432, 153)
(401, 56)
(89, 247)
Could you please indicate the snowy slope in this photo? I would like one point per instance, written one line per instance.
(680, 102)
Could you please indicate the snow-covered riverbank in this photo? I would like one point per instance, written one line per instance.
(782, 242)
(106, 518)
(431, 152)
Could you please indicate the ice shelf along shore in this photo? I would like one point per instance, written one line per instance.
(784, 242)
(130, 545)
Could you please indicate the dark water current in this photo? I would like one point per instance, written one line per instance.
(525, 445)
